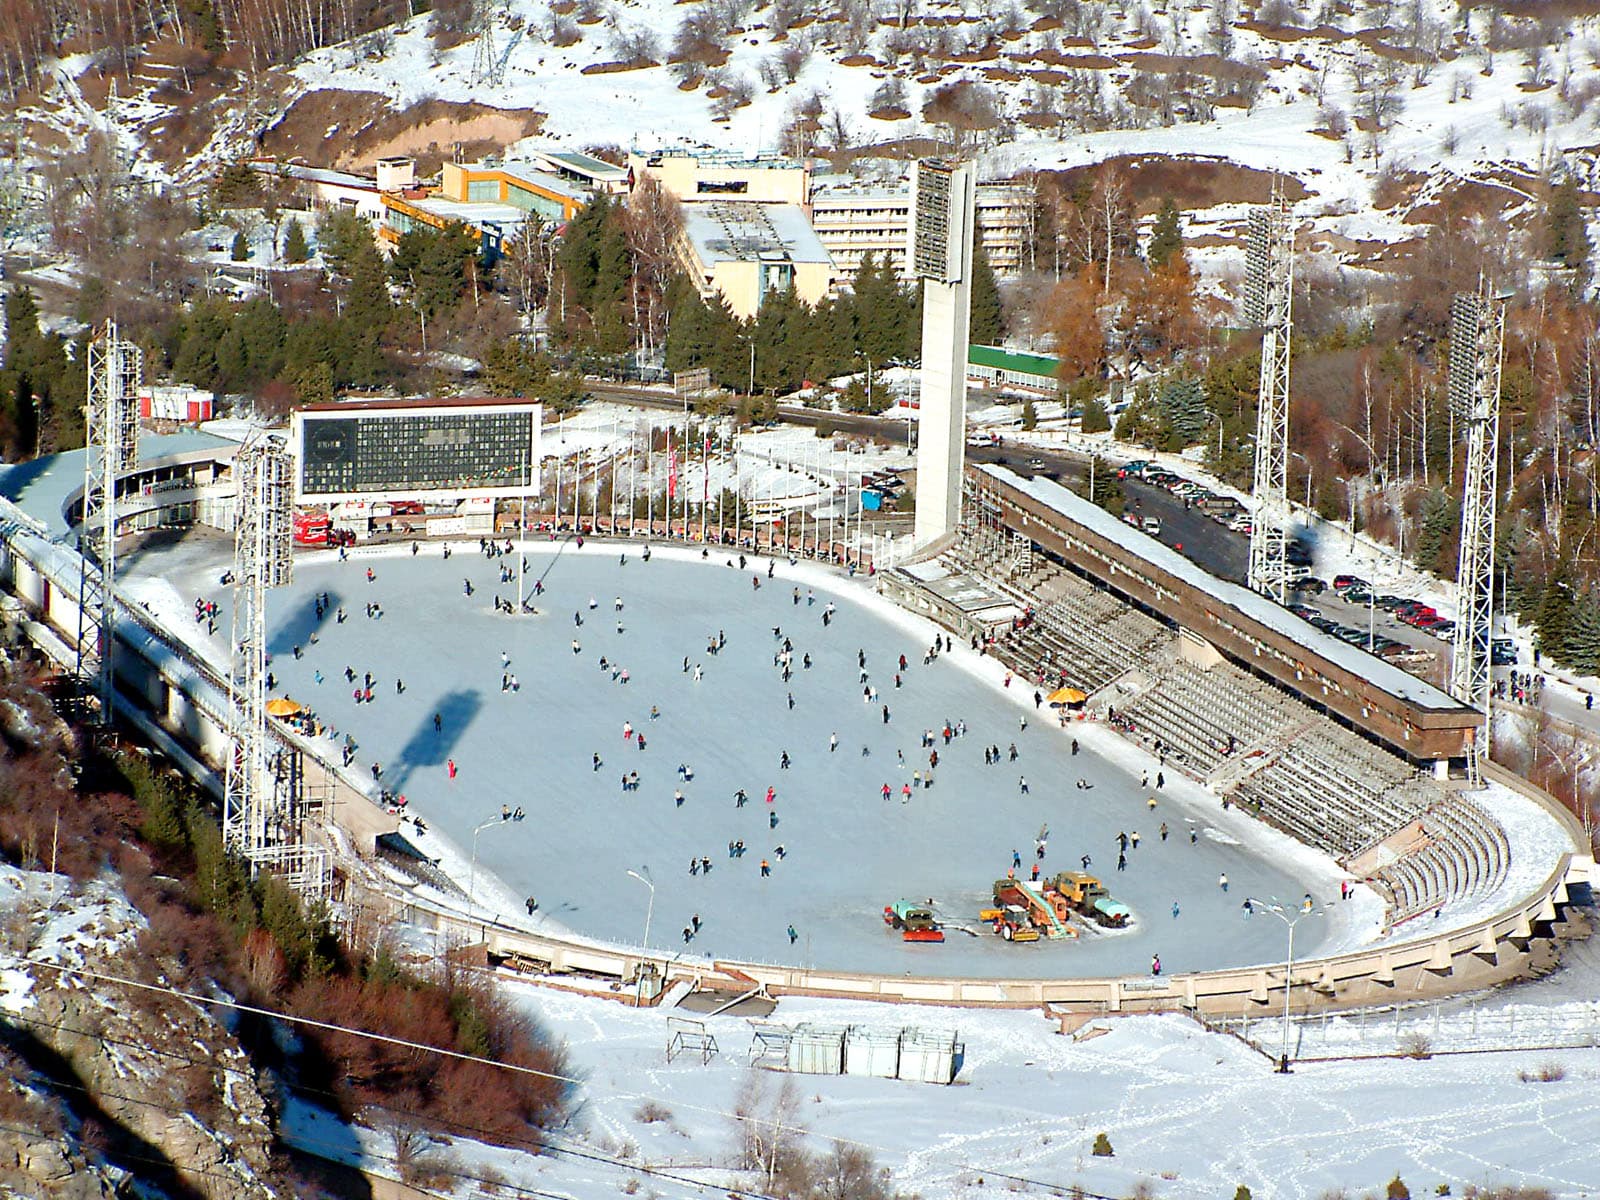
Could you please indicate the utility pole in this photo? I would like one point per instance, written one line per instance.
(1269, 282)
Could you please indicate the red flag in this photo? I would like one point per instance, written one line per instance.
(672, 469)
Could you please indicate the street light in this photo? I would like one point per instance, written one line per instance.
(1306, 909)
(1307, 461)
(650, 908)
(1217, 417)
(472, 878)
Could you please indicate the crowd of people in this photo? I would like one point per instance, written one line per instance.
(805, 633)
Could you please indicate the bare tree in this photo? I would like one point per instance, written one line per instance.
(766, 1120)
(654, 225)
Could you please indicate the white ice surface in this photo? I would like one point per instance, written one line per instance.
(848, 852)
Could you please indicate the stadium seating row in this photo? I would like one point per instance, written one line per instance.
(1312, 778)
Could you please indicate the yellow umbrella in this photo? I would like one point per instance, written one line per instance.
(284, 707)
(1067, 695)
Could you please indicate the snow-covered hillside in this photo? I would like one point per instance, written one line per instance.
(1162, 79)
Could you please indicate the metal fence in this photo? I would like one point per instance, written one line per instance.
(1422, 1028)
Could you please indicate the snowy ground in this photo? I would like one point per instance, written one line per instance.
(847, 852)
(1188, 1113)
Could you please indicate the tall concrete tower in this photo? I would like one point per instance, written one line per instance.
(943, 204)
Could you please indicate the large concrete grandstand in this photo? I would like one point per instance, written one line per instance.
(1342, 750)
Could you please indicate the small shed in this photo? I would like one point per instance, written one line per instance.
(929, 1055)
(816, 1050)
(874, 1052)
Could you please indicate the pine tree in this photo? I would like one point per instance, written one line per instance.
(295, 249)
(313, 383)
(1166, 237)
(1183, 408)
(202, 331)
(988, 322)
(1106, 488)
(1095, 417)
(1566, 233)
(25, 419)
(241, 248)
(1581, 648)
(1438, 535)
(1552, 619)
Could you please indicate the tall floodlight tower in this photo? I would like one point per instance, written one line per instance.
(943, 203)
(261, 821)
(111, 446)
(1269, 280)
(1477, 338)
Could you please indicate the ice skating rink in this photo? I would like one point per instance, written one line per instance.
(845, 851)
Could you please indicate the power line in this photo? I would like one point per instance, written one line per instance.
(545, 1141)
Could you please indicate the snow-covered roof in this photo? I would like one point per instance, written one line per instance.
(315, 174)
(1258, 608)
(742, 231)
(583, 164)
(536, 176)
(471, 212)
(42, 487)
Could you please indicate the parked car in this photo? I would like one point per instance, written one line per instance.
(1132, 470)
(1152, 526)
(1503, 652)
(1343, 582)
(1310, 585)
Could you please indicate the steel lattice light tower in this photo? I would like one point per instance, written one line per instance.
(1269, 287)
(1477, 339)
(111, 447)
(260, 815)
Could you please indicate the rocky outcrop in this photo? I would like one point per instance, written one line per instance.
(160, 1078)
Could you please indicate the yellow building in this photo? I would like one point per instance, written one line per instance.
(744, 250)
(713, 175)
(521, 186)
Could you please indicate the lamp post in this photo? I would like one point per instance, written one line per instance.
(643, 876)
(1306, 909)
(472, 877)
(1307, 461)
(1217, 417)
